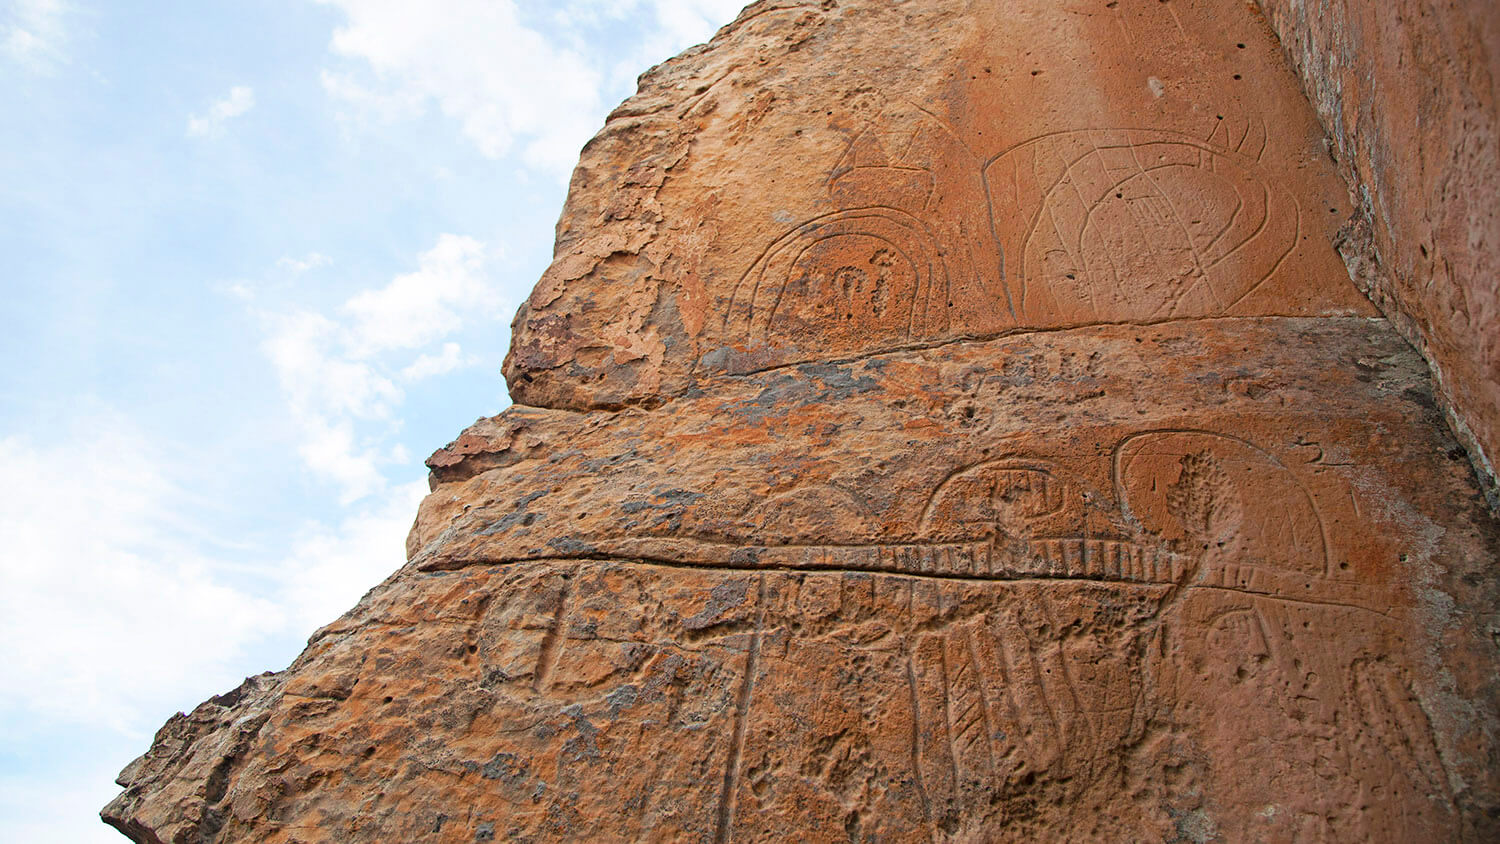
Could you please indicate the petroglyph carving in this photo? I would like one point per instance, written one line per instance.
(1180, 516)
(1084, 226)
(1301, 687)
(908, 257)
(1136, 224)
(831, 520)
(852, 280)
(1205, 502)
(1007, 706)
(1184, 486)
(1387, 708)
(1004, 497)
(1073, 558)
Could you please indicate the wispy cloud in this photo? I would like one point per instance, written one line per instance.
(506, 84)
(426, 366)
(113, 604)
(685, 22)
(210, 124)
(331, 565)
(512, 87)
(419, 307)
(33, 34)
(338, 371)
(106, 606)
(311, 261)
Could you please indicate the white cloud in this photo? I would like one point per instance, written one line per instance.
(318, 376)
(301, 265)
(503, 82)
(426, 366)
(326, 392)
(385, 104)
(688, 22)
(339, 372)
(419, 307)
(33, 34)
(330, 449)
(516, 77)
(329, 567)
(113, 614)
(106, 608)
(241, 98)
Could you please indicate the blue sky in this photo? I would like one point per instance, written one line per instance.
(258, 259)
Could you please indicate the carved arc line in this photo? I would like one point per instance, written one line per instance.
(989, 201)
(1145, 172)
(773, 259)
(1187, 234)
(781, 287)
(1019, 463)
(916, 740)
(1234, 216)
(1264, 224)
(1159, 136)
(773, 246)
(1119, 482)
(551, 647)
(987, 723)
(894, 215)
(1296, 235)
(774, 254)
(1066, 173)
(947, 707)
(729, 794)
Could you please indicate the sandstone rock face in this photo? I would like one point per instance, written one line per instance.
(942, 421)
(1407, 91)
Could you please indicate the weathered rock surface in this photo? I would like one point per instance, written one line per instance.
(942, 420)
(1407, 91)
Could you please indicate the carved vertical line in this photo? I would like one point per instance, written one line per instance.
(551, 649)
(948, 713)
(981, 683)
(729, 793)
(916, 737)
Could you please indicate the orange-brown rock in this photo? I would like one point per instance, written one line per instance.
(943, 421)
(1407, 92)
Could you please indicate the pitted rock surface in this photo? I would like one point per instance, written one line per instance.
(942, 421)
(1424, 243)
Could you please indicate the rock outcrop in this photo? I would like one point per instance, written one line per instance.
(1407, 92)
(943, 420)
